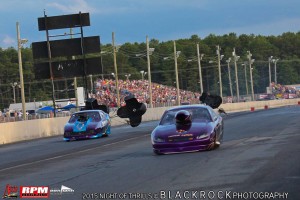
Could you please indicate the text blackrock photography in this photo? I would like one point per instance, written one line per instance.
(187, 194)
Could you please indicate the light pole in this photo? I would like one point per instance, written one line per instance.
(219, 69)
(75, 78)
(200, 56)
(50, 65)
(91, 80)
(76, 93)
(236, 58)
(270, 76)
(149, 51)
(246, 81)
(229, 77)
(127, 76)
(20, 42)
(143, 74)
(13, 85)
(251, 77)
(101, 53)
(176, 54)
(275, 69)
(116, 68)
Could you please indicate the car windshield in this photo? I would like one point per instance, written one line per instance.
(198, 114)
(84, 116)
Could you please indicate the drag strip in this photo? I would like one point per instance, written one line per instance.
(73, 153)
(37, 151)
(259, 155)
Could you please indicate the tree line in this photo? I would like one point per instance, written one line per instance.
(132, 59)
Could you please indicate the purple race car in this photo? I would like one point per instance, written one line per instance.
(187, 129)
(87, 124)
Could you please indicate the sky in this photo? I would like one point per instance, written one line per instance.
(164, 20)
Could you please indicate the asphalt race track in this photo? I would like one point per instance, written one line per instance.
(259, 158)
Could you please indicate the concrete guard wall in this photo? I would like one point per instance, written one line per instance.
(32, 129)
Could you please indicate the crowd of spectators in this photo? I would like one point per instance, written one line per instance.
(284, 92)
(161, 94)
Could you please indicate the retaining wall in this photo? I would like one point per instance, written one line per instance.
(32, 129)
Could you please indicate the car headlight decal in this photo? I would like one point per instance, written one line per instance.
(202, 136)
(158, 139)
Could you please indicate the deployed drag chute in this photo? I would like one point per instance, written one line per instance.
(132, 110)
(92, 104)
(213, 101)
